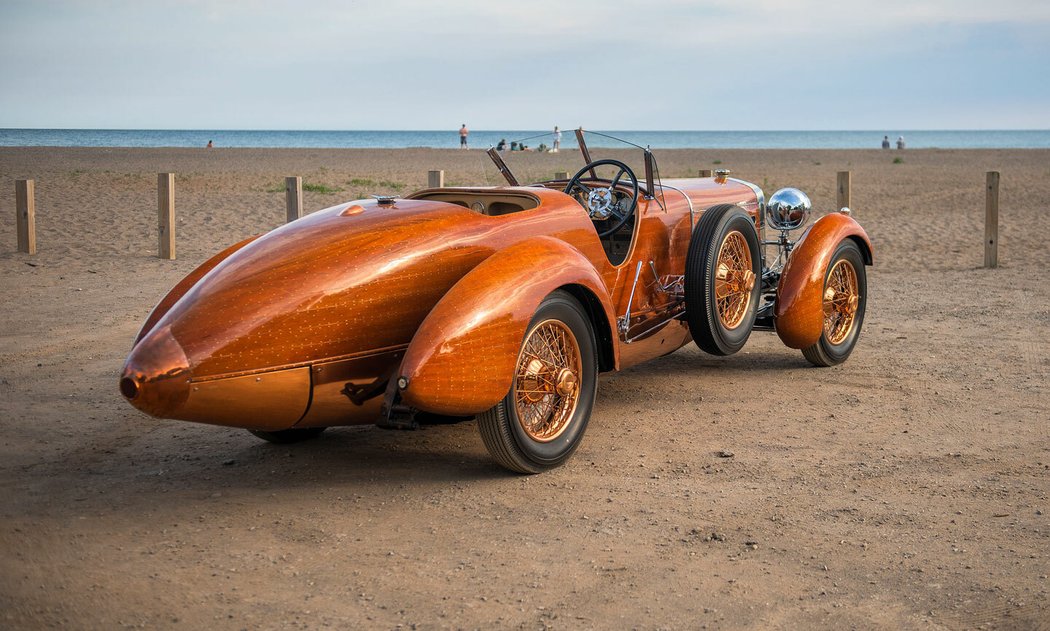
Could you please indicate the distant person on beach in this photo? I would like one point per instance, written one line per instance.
(463, 131)
(209, 145)
(885, 142)
(502, 145)
(557, 140)
(900, 142)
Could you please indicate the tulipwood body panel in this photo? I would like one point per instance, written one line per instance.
(184, 285)
(462, 359)
(323, 310)
(799, 310)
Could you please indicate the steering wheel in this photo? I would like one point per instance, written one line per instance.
(607, 204)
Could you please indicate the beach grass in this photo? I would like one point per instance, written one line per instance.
(313, 187)
(387, 184)
(309, 187)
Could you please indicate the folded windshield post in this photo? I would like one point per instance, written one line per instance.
(649, 184)
(584, 151)
(502, 166)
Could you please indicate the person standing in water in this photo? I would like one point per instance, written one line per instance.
(463, 131)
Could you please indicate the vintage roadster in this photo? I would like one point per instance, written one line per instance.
(501, 303)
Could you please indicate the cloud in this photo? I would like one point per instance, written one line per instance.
(635, 63)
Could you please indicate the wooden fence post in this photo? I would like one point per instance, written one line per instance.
(435, 179)
(561, 175)
(25, 215)
(293, 197)
(166, 215)
(843, 196)
(991, 221)
(705, 173)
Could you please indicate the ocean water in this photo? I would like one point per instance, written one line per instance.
(482, 139)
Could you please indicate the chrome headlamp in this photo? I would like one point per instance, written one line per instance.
(788, 209)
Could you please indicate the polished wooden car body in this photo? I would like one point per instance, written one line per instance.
(312, 324)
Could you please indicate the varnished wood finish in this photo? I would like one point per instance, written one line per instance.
(318, 312)
(184, 285)
(799, 310)
(462, 359)
(166, 387)
(349, 391)
(332, 286)
(157, 379)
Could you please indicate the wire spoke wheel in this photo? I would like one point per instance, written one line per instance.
(841, 299)
(541, 420)
(734, 280)
(722, 270)
(545, 386)
(843, 302)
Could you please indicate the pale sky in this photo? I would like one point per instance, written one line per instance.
(604, 64)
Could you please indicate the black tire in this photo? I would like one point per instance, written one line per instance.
(709, 331)
(503, 432)
(825, 353)
(288, 436)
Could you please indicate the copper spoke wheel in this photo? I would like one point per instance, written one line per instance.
(545, 386)
(841, 299)
(722, 272)
(541, 420)
(734, 280)
(843, 304)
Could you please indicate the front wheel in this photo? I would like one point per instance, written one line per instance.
(541, 421)
(844, 300)
(723, 272)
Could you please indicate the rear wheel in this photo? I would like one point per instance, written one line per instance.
(844, 300)
(288, 436)
(541, 421)
(723, 273)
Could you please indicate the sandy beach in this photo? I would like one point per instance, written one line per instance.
(906, 488)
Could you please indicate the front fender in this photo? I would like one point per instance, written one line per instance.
(799, 310)
(461, 360)
(184, 285)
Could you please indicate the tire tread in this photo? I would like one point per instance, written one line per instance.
(493, 424)
(700, 261)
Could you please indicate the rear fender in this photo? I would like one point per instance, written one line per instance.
(184, 285)
(461, 360)
(799, 310)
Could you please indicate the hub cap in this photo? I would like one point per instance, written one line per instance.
(841, 299)
(734, 280)
(546, 386)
